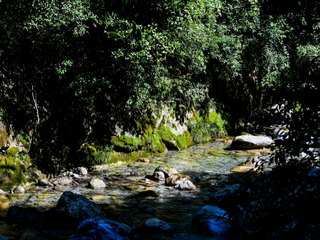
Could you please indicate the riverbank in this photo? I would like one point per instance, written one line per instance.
(209, 163)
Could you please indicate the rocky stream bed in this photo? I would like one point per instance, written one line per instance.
(130, 196)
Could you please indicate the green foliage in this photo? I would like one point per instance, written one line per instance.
(281, 204)
(113, 63)
(89, 155)
(206, 128)
(104, 154)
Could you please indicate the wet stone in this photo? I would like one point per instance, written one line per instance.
(146, 194)
(176, 178)
(19, 189)
(154, 226)
(96, 183)
(186, 185)
(101, 228)
(44, 182)
(213, 221)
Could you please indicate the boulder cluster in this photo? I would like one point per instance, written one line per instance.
(171, 177)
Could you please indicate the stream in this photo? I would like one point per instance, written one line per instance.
(123, 199)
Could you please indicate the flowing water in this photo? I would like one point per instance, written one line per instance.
(131, 198)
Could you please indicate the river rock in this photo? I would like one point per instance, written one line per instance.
(158, 176)
(186, 185)
(21, 216)
(154, 226)
(243, 169)
(251, 142)
(44, 183)
(176, 178)
(166, 170)
(2, 192)
(143, 160)
(81, 170)
(96, 183)
(73, 208)
(146, 194)
(104, 229)
(213, 221)
(62, 181)
(19, 189)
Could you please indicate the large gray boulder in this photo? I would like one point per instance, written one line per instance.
(251, 142)
(73, 208)
(104, 229)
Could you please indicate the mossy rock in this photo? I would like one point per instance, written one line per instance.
(3, 138)
(166, 134)
(25, 144)
(157, 145)
(126, 144)
(12, 151)
(12, 174)
(184, 140)
(168, 138)
(127, 157)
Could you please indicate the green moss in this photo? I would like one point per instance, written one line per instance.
(128, 157)
(239, 140)
(25, 144)
(157, 146)
(12, 151)
(166, 134)
(181, 142)
(3, 137)
(188, 138)
(11, 172)
(126, 144)
(215, 118)
(152, 140)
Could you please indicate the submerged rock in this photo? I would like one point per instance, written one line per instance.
(74, 208)
(146, 194)
(154, 226)
(104, 229)
(251, 142)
